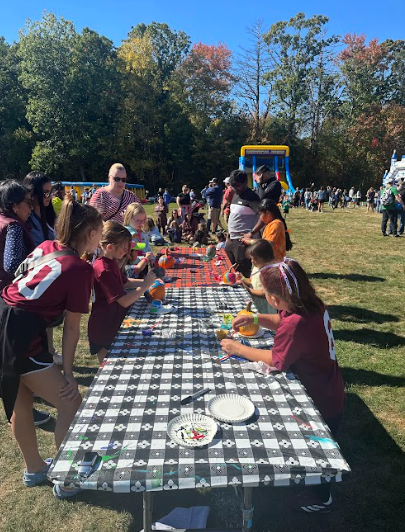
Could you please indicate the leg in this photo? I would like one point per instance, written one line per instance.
(393, 215)
(384, 222)
(102, 354)
(147, 510)
(230, 251)
(247, 509)
(49, 335)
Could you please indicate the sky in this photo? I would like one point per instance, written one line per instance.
(208, 21)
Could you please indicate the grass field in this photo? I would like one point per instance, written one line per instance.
(360, 276)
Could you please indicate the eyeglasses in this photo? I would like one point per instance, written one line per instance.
(47, 194)
(118, 179)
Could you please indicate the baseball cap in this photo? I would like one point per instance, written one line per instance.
(226, 180)
(215, 180)
(262, 169)
(390, 181)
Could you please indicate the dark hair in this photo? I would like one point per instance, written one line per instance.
(268, 205)
(11, 192)
(151, 223)
(34, 181)
(302, 302)
(220, 236)
(74, 220)
(114, 233)
(57, 187)
(237, 177)
(262, 250)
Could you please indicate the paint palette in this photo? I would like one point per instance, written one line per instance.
(192, 430)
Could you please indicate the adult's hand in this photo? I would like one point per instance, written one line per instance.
(70, 391)
(246, 240)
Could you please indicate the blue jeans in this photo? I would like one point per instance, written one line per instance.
(401, 222)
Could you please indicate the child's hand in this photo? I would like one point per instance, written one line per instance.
(239, 278)
(149, 279)
(240, 321)
(231, 347)
(149, 256)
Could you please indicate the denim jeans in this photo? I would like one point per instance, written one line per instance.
(392, 216)
(401, 222)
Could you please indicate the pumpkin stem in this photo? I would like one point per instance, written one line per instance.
(249, 307)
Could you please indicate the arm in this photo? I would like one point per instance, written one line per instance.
(251, 353)
(71, 334)
(14, 250)
(268, 321)
(254, 292)
(130, 298)
(259, 225)
(178, 202)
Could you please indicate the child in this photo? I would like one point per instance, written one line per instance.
(174, 232)
(187, 229)
(275, 231)
(136, 265)
(303, 343)
(221, 240)
(135, 222)
(161, 211)
(111, 300)
(260, 253)
(201, 235)
(286, 205)
(154, 234)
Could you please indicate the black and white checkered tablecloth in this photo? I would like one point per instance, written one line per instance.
(138, 391)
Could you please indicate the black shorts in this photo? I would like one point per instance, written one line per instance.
(38, 363)
(95, 348)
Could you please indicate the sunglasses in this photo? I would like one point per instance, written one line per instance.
(118, 179)
(47, 194)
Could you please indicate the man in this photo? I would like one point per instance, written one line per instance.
(388, 209)
(401, 199)
(242, 218)
(226, 200)
(214, 199)
(58, 197)
(167, 197)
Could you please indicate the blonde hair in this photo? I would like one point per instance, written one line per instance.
(132, 210)
(114, 233)
(117, 166)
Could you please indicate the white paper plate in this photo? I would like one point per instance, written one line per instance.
(231, 407)
(192, 430)
(166, 309)
(259, 334)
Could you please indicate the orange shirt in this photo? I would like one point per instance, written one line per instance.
(274, 232)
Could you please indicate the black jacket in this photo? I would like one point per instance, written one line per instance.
(270, 190)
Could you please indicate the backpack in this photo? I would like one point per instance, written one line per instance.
(387, 197)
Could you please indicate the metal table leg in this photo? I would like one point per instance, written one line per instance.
(247, 510)
(147, 510)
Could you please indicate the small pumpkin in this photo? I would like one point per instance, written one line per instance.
(158, 290)
(166, 261)
(211, 252)
(229, 277)
(252, 328)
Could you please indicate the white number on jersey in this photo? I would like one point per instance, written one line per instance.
(54, 270)
(329, 334)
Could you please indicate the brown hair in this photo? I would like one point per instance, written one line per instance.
(270, 206)
(132, 210)
(262, 250)
(75, 220)
(303, 301)
(114, 233)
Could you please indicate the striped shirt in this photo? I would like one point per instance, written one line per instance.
(109, 206)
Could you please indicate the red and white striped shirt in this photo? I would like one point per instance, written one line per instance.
(107, 204)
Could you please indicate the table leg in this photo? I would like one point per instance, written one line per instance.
(247, 509)
(147, 511)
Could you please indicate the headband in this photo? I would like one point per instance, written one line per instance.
(283, 269)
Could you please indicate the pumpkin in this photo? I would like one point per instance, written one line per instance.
(211, 252)
(252, 328)
(166, 261)
(158, 290)
(229, 276)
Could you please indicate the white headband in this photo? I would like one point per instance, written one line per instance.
(283, 268)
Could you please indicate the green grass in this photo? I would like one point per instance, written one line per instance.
(360, 276)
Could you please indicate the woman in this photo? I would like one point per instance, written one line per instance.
(184, 202)
(15, 240)
(43, 216)
(370, 199)
(173, 218)
(111, 201)
(63, 284)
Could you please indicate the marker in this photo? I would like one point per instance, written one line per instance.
(195, 396)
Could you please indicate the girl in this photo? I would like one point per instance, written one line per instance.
(174, 232)
(260, 253)
(161, 211)
(201, 236)
(63, 284)
(303, 343)
(43, 216)
(221, 239)
(370, 199)
(173, 218)
(187, 229)
(135, 222)
(275, 231)
(111, 301)
(136, 265)
(154, 234)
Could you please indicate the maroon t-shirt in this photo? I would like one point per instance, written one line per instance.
(48, 290)
(305, 344)
(106, 314)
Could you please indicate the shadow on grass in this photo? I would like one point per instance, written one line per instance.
(371, 378)
(356, 277)
(359, 315)
(370, 499)
(364, 336)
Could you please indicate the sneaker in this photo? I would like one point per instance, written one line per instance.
(61, 493)
(308, 503)
(40, 418)
(57, 358)
(384, 234)
(35, 479)
(397, 236)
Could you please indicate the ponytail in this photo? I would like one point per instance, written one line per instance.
(270, 206)
(75, 221)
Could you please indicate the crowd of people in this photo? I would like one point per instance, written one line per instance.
(50, 262)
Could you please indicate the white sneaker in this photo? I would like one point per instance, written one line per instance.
(57, 358)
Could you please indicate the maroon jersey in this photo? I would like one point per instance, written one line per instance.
(106, 314)
(305, 344)
(64, 283)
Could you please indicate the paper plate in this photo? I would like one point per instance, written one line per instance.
(163, 310)
(259, 334)
(192, 430)
(231, 407)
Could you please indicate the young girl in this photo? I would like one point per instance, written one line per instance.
(260, 253)
(174, 232)
(187, 229)
(111, 300)
(135, 222)
(154, 233)
(275, 231)
(62, 284)
(303, 343)
(161, 211)
(136, 265)
(221, 239)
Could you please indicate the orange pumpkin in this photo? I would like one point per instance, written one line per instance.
(158, 290)
(166, 261)
(252, 328)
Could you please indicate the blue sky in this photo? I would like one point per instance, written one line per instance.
(208, 21)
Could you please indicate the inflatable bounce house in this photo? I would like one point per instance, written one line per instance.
(397, 169)
(277, 158)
